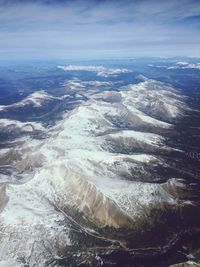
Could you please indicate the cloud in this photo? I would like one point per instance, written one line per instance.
(89, 28)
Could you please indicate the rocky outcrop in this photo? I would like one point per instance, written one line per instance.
(3, 196)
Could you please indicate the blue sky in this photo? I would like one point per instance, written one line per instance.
(98, 28)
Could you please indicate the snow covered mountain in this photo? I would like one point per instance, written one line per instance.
(93, 174)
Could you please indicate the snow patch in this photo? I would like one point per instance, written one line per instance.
(99, 70)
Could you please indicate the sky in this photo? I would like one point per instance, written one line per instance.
(50, 29)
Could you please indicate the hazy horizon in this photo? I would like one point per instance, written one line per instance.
(92, 29)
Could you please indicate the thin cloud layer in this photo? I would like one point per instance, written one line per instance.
(71, 29)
